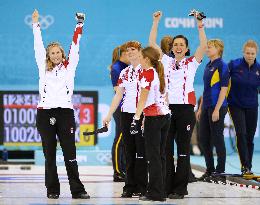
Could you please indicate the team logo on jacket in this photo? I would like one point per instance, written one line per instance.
(257, 73)
(52, 120)
(188, 127)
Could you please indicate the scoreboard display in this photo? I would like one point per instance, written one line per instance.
(18, 111)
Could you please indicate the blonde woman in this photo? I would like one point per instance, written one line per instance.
(55, 115)
(243, 102)
(119, 63)
(213, 109)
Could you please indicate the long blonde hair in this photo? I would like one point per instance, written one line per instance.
(166, 44)
(154, 57)
(117, 53)
(49, 64)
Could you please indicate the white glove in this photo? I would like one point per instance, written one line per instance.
(80, 17)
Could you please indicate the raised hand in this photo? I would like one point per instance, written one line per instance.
(157, 15)
(35, 16)
(80, 17)
(198, 15)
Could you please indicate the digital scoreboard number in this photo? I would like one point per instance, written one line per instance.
(18, 111)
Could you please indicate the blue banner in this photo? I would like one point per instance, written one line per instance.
(110, 23)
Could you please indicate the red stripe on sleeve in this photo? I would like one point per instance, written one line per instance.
(66, 63)
(76, 34)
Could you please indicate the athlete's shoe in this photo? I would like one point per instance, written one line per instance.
(246, 171)
(138, 194)
(126, 194)
(146, 198)
(219, 179)
(83, 195)
(118, 178)
(206, 177)
(176, 196)
(53, 196)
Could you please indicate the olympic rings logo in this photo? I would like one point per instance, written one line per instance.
(104, 157)
(45, 21)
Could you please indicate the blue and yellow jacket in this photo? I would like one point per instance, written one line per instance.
(216, 75)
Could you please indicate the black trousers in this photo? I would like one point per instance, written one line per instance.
(118, 158)
(211, 134)
(182, 124)
(245, 122)
(136, 174)
(64, 128)
(155, 132)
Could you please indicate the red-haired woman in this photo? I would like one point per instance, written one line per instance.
(128, 89)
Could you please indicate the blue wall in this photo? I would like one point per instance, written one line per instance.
(110, 23)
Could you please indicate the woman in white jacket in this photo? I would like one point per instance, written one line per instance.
(179, 76)
(55, 115)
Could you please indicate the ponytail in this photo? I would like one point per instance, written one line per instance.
(154, 57)
(166, 44)
(115, 55)
(160, 70)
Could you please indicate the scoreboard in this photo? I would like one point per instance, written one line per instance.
(18, 111)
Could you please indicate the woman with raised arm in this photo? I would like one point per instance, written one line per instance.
(179, 74)
(128, 89)
(243, 102)
(153, 105)
(55, 115)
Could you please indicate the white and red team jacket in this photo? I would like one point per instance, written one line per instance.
(129, 80)
(179, 81)
(156, 102)
(56, 86)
